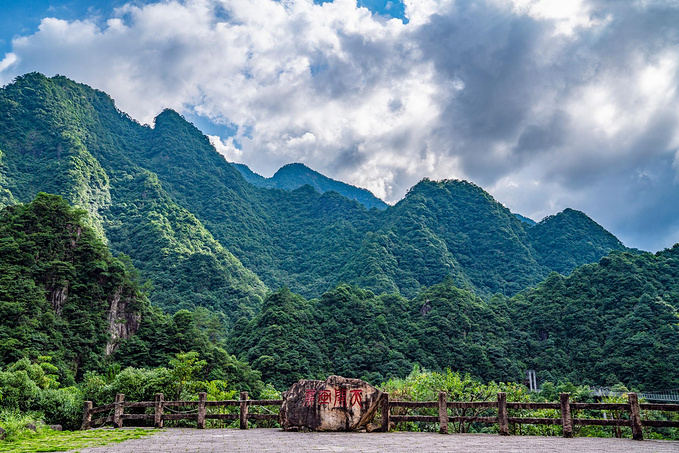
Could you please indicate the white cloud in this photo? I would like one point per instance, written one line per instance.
(8, 61)
(226, 147)
(546, 103)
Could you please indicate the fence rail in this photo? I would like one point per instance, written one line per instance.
(633, 408)
(159, 415)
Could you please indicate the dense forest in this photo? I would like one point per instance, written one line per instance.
(136, 252)
(163, 196)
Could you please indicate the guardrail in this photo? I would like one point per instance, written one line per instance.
(565, 407)
(159, 415)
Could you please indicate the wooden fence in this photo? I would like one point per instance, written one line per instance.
(565, 407)
(159, 415)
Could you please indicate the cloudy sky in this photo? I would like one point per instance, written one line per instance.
(546, 104)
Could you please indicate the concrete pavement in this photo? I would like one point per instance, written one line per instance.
(191, 440)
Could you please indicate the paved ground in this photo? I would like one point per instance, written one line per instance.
(176, 440)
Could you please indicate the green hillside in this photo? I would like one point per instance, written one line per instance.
(615, 321)
(570, 238)
(611, 323)
(62, 294)
(154, 265)
(352, 332)
(204, 236)
(448, 228)
(65, 138)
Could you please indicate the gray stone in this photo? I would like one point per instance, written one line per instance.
(56, 427)
(3, 433)
(336, 404)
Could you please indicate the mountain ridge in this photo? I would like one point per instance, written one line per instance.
(295, 175)
(165, 196)
(447, 277)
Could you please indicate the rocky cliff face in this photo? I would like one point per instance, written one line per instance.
(123, 322)
(62, 293)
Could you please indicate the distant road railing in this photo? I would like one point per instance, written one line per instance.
(565, 407)
(668, 396)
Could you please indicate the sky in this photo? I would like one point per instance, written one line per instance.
(546, 104)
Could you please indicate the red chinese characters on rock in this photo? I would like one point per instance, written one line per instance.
(324, 397)
(355, 398)
(309, 397)
(341, 397)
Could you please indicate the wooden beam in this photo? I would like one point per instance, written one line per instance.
(119, 410)
(635, 416)
(158, 413)
(502, 413)
(566, 415)
(443, 413)
(243, 410)
(202, 397)
(384, 408)
(87, 416)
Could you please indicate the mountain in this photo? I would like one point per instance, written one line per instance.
(614, 321)
(62, 294)
(293, 176)
(297, 282)
(65, 138)
(569, 239)
(609, 323)
(202, 235)
(455, 228)
(352, 332)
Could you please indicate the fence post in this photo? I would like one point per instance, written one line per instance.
(243, 410)
(202, 397)
(87, 415)
(502, 414)
(635, 416)
(443, 413)
(566, 421)
(158, 414)
(119, 410)
(384, 408)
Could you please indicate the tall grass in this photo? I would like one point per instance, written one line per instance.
(16, 424)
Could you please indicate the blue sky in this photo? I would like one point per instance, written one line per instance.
(547, 104)
(21, 17)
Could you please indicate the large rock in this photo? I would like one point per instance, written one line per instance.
(338, 404)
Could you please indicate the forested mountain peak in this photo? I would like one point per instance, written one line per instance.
(62, 294)
(615, 321)
(371, 292)
(295, 175)
(569, 239)
(167, 198)
(66, 138)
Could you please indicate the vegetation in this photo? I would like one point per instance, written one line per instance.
(152, 270)
(45, 439)
(294, 176)
(204, 236)
(615, 321)
(58, 285)
(423, 385)
(64, 138)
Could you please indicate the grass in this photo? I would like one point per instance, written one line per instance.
(48, 440)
